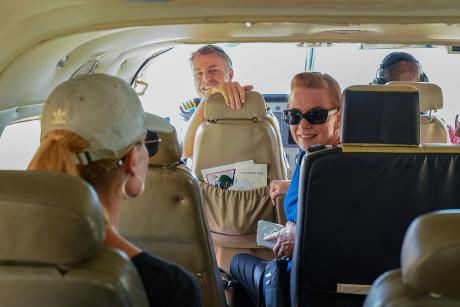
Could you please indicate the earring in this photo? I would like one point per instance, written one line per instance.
(123, 187)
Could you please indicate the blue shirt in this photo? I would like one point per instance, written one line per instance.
(292, 196)
(291, 200)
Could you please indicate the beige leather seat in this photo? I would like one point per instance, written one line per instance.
(430, 265)
(51, 251)
(168, 221)
(229, 136)
(432, 128)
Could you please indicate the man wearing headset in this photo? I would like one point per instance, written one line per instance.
(400, 66)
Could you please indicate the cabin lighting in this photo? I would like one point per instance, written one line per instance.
(347, 31)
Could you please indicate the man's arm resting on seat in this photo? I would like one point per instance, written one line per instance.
(195, 121)
(234, 96)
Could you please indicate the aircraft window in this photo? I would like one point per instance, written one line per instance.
(18, 144)
(350, 64)
(269, 67)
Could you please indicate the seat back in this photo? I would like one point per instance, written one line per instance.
(356, 201)
(432, 128)
(230, 136)
(51, 251)
(429, 258)
(168, 221)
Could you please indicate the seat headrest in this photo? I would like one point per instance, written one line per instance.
(170, 150)
(380, 115)
(253, 108)
(431, 252)
(430, 95)
(48, 218)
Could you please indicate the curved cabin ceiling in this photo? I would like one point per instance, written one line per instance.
(35, 35)
(26, 23)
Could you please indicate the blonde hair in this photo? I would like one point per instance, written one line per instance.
(318, 80)
(56, 154)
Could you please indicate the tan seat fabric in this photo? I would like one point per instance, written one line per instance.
(429, 261)
(430, 95)
(432, 128)
(229, 136)
(51, 251)
(431, 253)
(168, 221)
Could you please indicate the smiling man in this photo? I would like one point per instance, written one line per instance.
(213, 72)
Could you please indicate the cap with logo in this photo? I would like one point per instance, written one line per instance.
(102, 109)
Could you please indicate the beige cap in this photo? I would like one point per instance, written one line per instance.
(102, 109)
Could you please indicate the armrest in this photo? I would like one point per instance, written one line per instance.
(280, 216)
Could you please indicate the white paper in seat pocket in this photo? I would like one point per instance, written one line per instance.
(255, 175)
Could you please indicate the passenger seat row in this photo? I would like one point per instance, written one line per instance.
(356, 202)
(74, 259)
(432, 128)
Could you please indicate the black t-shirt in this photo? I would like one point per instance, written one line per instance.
(166, 284)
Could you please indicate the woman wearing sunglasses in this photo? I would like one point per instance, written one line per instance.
(313, 115)
(94, 127)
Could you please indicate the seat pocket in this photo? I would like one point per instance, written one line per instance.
(236, 212)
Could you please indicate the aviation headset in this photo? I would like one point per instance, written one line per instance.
(391, 59)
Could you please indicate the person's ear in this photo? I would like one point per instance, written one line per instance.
(337, 120)
(230, 75)
(130, 162)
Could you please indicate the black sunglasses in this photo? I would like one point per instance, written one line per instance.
(152, 142)
(315, 116)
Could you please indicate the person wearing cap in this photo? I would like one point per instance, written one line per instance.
(94, 127)
(313, 116)
(212, 73)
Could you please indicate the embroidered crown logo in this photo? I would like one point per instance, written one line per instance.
(59, 117)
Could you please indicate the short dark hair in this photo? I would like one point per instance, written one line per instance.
(391, 68)
(396, 71)
(210, 49)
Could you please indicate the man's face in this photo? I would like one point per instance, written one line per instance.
(209, 70)
(306, 134)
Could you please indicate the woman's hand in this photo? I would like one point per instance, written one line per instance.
(278, 187)
(285, 240)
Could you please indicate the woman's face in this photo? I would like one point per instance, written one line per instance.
(306, 134)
